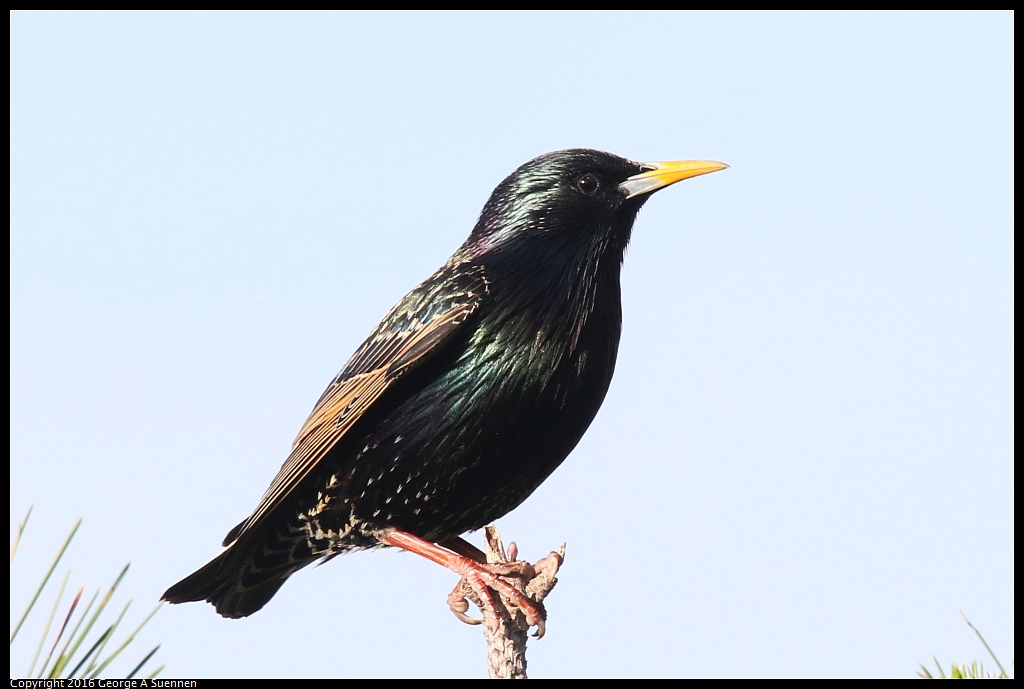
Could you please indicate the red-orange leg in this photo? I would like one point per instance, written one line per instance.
(479, 576)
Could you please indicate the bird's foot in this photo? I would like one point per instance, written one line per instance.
(520, 585)
(530, 583)
(509, 582)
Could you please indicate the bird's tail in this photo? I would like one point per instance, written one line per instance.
(243, 578)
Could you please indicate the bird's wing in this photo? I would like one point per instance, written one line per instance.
(415, 328)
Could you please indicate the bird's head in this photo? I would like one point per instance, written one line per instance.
(577, 199)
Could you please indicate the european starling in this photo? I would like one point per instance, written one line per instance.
(468, 394)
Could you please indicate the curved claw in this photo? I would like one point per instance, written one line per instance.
(535, 614)
(459, 605)
(466, 619)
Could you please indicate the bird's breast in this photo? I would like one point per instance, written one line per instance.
(498, 418)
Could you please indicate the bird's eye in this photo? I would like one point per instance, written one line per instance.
(588, 184)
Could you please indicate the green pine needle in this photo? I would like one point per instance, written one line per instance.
(76, 629)
(972, 670)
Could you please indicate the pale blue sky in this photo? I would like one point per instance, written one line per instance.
(805, 462)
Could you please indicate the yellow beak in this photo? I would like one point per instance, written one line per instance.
(663, 174)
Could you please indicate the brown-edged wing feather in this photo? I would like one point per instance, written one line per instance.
(417, 327)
